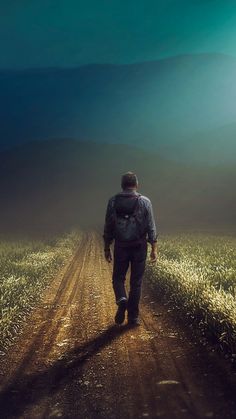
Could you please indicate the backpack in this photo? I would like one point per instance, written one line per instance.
(126, 225)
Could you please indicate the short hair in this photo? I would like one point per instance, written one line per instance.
(129, 180)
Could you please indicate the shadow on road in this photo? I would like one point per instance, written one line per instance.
(28, 389)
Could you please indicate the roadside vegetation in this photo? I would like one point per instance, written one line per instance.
(26, 268)
(196, 274)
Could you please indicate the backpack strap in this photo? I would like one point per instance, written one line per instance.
(115, 200)
(137, 204)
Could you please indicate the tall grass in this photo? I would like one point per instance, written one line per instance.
(197, 273)
(26, 267)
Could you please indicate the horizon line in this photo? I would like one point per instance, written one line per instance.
(109, 64)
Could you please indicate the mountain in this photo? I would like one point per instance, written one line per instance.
(50, 186)
(161, 105)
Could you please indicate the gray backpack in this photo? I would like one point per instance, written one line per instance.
(126, 225)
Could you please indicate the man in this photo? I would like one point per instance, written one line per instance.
(130, 222)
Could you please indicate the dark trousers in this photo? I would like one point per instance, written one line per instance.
(123, 256)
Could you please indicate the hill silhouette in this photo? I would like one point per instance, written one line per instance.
(50, 186)
(162, 105)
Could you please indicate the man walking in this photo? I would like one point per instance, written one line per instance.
(129, 221)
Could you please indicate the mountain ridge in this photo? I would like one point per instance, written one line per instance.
(164, 105)
(107, 64)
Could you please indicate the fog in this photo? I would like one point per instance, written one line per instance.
(52, 186)
(67, 136)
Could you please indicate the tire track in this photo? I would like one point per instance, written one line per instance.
(57, 307)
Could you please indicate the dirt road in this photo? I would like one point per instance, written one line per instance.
(71, 361)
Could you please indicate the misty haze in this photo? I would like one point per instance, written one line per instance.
(178, 112)
(118, 209)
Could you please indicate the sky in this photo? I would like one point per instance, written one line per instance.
(49, 33)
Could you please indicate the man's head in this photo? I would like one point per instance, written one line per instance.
(129, 181)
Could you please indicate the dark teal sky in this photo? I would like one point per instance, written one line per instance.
(36, 33)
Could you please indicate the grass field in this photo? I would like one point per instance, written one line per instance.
(26, 268)
(196, 273)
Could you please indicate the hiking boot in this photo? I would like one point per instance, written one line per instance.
(120, 314)
(134, 321)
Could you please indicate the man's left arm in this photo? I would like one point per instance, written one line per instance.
(152, 232)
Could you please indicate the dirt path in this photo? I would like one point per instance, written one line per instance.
(72, 362)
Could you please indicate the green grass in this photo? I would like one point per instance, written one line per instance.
(197, 274)
(26, 268)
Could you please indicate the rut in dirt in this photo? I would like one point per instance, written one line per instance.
(71, 361)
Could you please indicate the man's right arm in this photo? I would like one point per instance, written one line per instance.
(108, 230)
